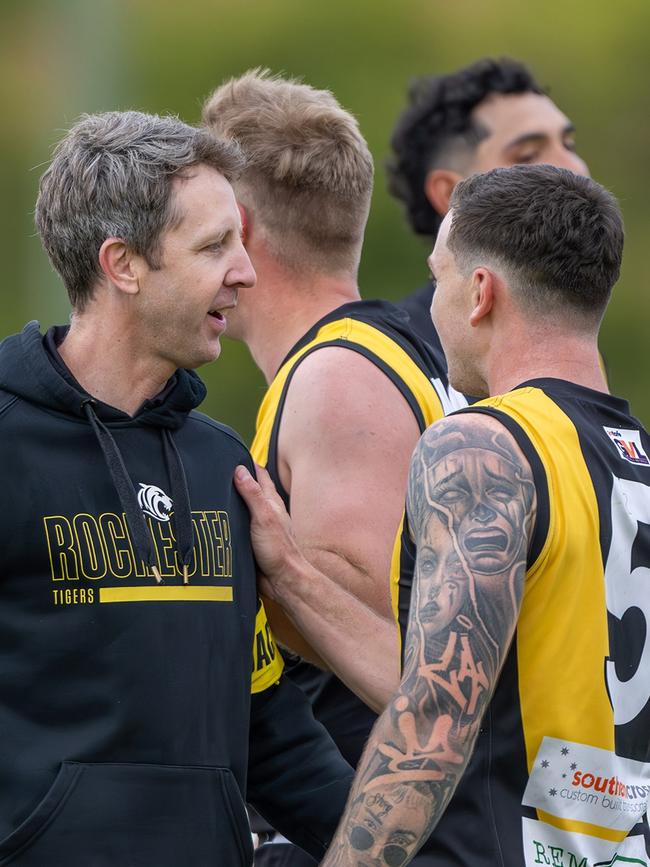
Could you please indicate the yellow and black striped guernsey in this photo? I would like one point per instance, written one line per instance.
(561, 772)
(381, 333)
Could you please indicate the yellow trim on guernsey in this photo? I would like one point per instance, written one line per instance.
(267, 659)
(577, 827)
(395, 574)
(365, 335)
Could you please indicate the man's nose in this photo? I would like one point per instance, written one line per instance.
(242, 273)
(566, 159)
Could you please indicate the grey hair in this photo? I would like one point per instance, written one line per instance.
(111, 176)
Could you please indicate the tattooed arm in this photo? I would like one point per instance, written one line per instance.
(471, 507)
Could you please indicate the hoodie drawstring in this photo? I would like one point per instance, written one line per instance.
(181, 499)
(128, 498)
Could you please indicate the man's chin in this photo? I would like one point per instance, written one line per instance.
(199, 359)
(213, 355)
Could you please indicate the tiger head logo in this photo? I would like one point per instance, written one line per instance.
(154, 502)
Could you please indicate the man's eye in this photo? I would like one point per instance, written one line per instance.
(526, 158)
(570, 145)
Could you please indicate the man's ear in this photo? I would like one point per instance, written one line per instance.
(438, 186)
(120, 265)
(483, 293)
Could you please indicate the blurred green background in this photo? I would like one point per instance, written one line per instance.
(59, 58)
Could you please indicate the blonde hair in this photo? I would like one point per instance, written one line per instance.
(309, 171)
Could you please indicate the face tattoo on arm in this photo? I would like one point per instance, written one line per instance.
(471, 508)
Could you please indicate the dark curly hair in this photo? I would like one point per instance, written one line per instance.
(439, 111)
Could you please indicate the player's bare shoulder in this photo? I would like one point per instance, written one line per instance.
(336, 387)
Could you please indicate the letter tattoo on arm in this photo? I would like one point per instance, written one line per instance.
(471, 508)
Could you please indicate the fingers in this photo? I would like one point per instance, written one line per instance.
(260, 496)
(255, 492)
(249, 490)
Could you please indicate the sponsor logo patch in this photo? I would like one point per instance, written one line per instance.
(628, 445)
(587, 784)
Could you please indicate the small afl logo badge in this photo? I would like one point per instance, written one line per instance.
(154, 502)
(628, 445)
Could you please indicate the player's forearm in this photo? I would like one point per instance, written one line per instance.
(407, 775)
(356, 643)
(288, 637)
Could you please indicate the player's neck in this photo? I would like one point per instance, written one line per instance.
(286, 307)
(574, 358)
(110, 362)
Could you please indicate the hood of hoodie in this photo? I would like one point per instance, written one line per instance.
(28, 371)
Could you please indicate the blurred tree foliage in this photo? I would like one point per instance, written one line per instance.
(60, 58)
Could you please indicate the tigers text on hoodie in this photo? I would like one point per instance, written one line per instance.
(131, 728)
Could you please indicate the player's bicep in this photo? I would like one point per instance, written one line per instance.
(348, 452)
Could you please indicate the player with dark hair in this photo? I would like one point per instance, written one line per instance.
(519, 734)
(489, 114)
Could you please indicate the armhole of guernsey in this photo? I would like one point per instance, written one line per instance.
(379, 348)
(402, 571)
(267, 660)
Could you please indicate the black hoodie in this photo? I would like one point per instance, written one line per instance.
(129, 627)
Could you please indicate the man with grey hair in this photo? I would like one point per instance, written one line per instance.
(132, 727)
